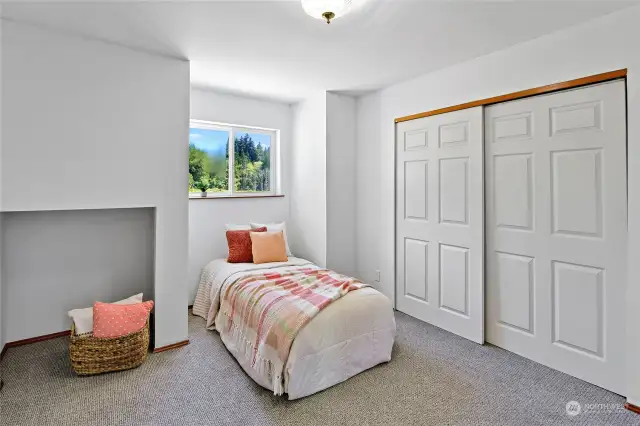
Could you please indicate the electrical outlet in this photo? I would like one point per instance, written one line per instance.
(377, 275)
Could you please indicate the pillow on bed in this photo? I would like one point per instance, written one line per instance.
(275, 227)
(239, 243)
(268, 247)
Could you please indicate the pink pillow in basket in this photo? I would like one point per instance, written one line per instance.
(111, 320)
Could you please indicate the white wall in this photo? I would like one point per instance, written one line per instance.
(89, 125)
(308, 214)
(605, 44)
(368, 196)
(207, 217)
(61, 260)
(341, 183)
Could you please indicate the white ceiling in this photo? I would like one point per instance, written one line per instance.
(272, 49)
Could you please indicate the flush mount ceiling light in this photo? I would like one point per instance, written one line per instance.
(326, 9)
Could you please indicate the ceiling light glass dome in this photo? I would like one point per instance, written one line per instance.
(326, 9)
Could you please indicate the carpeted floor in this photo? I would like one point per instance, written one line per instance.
(434, 378)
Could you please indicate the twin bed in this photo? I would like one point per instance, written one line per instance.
(347, 336)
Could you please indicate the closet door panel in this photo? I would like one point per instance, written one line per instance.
(556, 230)
(439, 221)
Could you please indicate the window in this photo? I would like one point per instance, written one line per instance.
(248, 168)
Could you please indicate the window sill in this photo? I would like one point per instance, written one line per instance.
(234, 197)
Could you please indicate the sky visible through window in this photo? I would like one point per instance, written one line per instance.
(214, 142)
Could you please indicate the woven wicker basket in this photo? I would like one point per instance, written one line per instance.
(90, 355)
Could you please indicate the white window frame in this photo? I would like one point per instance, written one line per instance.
(232, 130)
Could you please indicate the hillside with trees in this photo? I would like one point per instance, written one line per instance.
(251, 170)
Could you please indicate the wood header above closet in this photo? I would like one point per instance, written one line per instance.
(598, 78)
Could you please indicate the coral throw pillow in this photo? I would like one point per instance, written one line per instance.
(268, 247)
(83, 318)
(110, 320)
(240, 245)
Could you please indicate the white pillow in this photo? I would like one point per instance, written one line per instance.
(232, 227)
(275, 227)
(83, 318)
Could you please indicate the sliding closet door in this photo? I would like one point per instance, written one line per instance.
(439, 221)
(556, 230)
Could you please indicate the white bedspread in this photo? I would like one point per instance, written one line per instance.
(349, 336)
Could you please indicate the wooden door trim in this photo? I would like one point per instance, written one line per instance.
(629, 406)
(592, 79)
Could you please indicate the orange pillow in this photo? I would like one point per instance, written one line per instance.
(239, 243)
(111, 320)
(268, 247)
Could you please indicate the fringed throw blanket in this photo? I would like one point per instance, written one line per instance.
(262, 313)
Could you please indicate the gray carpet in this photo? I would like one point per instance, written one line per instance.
(434, 378)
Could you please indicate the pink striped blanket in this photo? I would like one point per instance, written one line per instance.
(262, 313)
